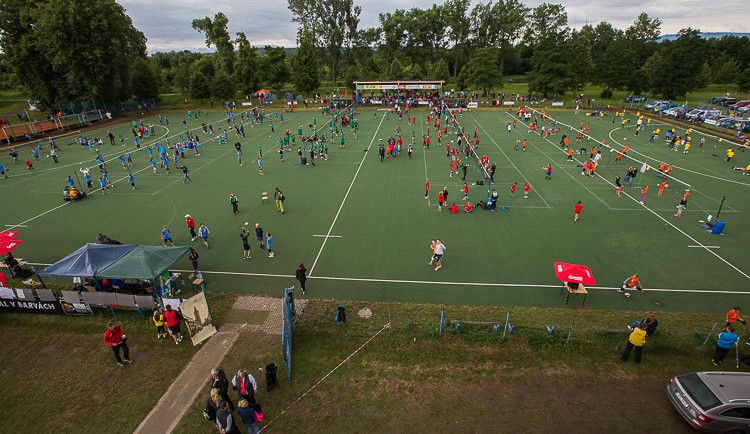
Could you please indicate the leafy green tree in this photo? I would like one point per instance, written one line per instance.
(550, 75)
(413, 72)
(333, 24)
(222, 86)
(581, 62)
(65, 51)
(459, 24)
(546, 21)
(392, 38)
(246, 65)
(498, 24)
(729, 72)
(218, 36)
(200, 85)
(744, 81)
(145, 79)
(274, 66)
(675, 69)
(483, 69)
(304, 64)
(397, 69)
(438, 70)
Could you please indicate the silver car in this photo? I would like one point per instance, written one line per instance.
(715, 402)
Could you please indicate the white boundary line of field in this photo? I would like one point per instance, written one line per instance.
(652, 211)
(511, 162)
(442, 282)
(343, 201)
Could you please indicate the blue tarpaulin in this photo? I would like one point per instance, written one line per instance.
(88, 261)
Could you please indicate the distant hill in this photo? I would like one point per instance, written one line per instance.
(708, 35)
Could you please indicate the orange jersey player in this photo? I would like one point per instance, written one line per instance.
(662, 186)
(644, 191)
(526, 188)
(525, 142)
(513, 190)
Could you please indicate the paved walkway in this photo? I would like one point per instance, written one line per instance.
(179, 398)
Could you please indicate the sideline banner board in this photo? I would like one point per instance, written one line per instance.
(48, 307)
(557, 104)
(78, 309)
(195, 310)
(473, 105)
(397, 86)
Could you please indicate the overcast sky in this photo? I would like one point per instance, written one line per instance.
(166, 23)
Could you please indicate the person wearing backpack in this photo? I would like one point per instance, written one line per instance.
(248, 415)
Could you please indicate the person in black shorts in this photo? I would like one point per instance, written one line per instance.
(245, 234)
(259, 236)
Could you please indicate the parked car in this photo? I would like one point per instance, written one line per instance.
(722, 100)
(714, 402)
(635, 98)
(728, 101)
(739, 104)
(655, 104)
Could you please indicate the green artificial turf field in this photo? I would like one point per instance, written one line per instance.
(363, 228)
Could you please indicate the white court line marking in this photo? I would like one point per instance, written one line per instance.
(431, 282)
(17, 226)
(328, 236)
(659, 216)
(561, 167)
(511, 162)
(707, 247)
(364, 157)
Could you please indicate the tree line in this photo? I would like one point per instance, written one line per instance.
(63, 52)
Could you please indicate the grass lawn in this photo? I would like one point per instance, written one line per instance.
(411, 380)
(59, 366)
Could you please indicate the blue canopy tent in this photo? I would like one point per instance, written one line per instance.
(88, 261)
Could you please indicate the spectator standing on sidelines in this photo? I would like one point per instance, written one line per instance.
(158, 319)
(193, 258)
(637, 339)
(172, 319)
(245, 385)
(726, 340)
(116, 339)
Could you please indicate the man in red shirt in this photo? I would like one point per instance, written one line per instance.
(577, 208)
(115, 339)
(513, 190)
(191, 226)
(172, 319)
(426, 188)
(526, 188)
(466, 191)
